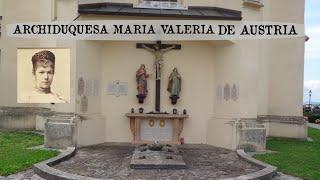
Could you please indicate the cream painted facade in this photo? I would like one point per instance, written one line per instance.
(268, 73)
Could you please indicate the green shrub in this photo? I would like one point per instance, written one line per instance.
(311, 116)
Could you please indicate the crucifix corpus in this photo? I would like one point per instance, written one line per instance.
(158, 50)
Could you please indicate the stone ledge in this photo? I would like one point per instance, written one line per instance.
(27, 111)
(268, 171)
(282, 119)
(22, 111)
(44, 169)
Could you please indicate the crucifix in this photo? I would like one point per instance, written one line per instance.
(158, 50)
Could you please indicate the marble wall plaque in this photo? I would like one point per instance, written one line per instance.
(235, 92)
(117, 88)
(81, 86)
(157, 131)
(84, 104)
(88, 90)
(219, 93)
(88, 87)
(96, 87)
(226, 92)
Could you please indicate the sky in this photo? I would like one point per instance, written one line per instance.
(312, 51)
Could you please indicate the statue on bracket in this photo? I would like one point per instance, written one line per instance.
(141, 78)
(174, 86)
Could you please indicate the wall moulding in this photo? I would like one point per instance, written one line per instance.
(164, 4)
(281, 119)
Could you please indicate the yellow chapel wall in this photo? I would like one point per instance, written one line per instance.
(85, 62)
(64, 11)
(1, 8)
(236, 63)
(285, 67)
(212, 127)
(195, 64)
(88, 67)
(285, 70)
(253, 76)
(14, 12)
(221, 126)
(269, 74)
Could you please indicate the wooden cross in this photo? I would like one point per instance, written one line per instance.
(158, 50)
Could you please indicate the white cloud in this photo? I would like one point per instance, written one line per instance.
(313, 30)
(312, 51)
(314, 86)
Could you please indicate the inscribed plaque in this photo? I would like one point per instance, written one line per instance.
(81, 86)
(219, 93)
(156, 130)
(84, 104)
(88, 87)
(96, 87)
(234, 92)
(226, 92)
(117, 88)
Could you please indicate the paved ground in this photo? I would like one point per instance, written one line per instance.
(25, 175)
(29, 175)
(112, 161)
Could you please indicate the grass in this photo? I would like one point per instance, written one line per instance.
(15, 155)
(298, 158)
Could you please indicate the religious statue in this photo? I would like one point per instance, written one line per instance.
(174, 85)
(141, 78)
(158, 53)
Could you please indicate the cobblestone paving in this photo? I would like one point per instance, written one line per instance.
(24, 175)
(112, 161)
(115, 160)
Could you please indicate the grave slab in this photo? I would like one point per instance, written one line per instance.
(157, 156)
